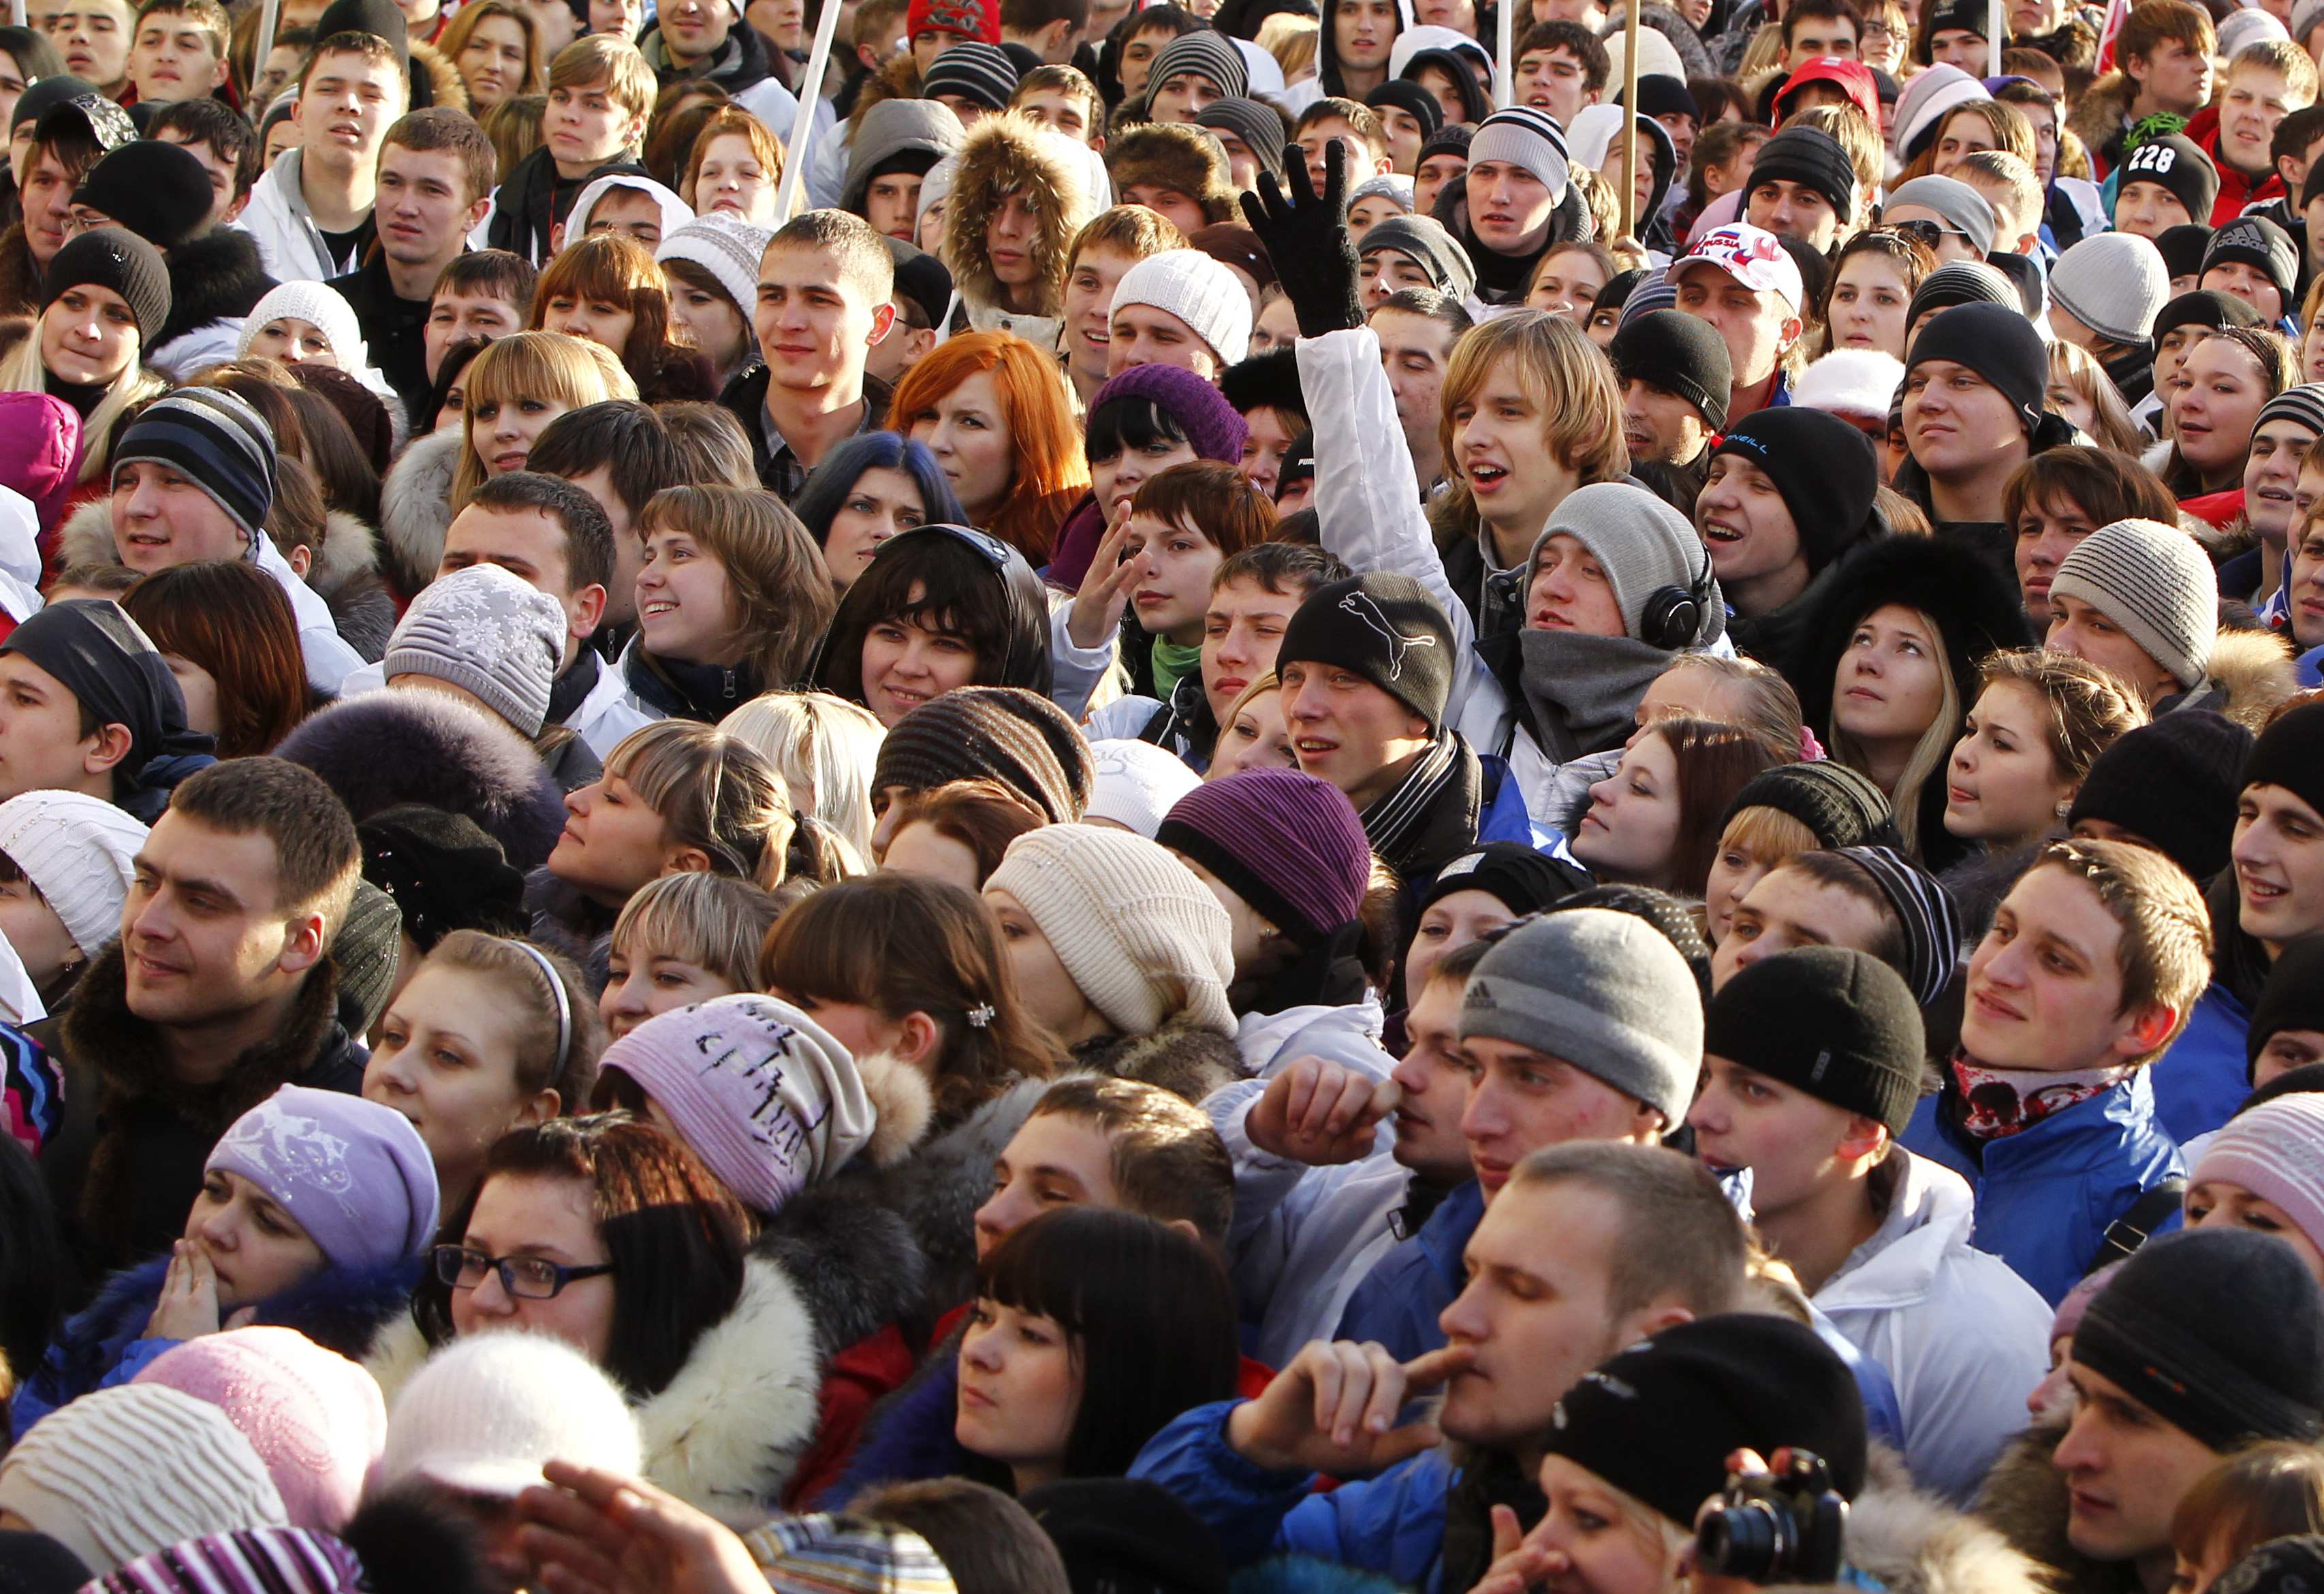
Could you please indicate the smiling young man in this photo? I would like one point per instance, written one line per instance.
(1099, 257)
(1178, 306)
(311, 213)
(2163, 53)
(220, 989)
(1974, 391)
(600, 92)
(2094, 961)
(1742, 280)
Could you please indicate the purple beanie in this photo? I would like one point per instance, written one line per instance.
(253, 1561)
(315, 1418)
(353, 1175)
(1213, 427)
(1288, 844)
(39, 451)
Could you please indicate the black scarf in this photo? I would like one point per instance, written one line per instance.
(568, 691)
(705, 692)
(1489, 1479)
(1443, 791)
(2239, 961)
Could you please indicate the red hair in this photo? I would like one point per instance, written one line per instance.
(1047, 473)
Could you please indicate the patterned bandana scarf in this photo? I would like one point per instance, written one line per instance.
(1998, 1101)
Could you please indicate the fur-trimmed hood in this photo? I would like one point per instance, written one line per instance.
(2250, 672)
(415, 507)
(1692, 51)
(2025, 1500)
(1170, 155)
(379, 749)
(906, 126)
(2097, 118)
(1186, 1062)
(217, 277)
(1916, 1544)
(1003, 155)
(348, 554)
(444, 80)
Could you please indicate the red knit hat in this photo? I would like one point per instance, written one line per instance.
(968, 19)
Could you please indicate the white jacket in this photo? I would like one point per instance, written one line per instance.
(612, 711)
(212, 343)
(290, 243)
(1963, 1336)
(329, 659)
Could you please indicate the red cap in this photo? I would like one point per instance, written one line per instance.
(1851, 76)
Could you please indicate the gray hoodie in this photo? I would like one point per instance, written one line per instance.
(893, 127)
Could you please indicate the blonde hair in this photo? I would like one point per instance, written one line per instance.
(1291, 40)
(530, 365)
(704, 919)
(822, 746)
(2112, 428)
(712, 792)
(2085, 708)
(1772, 837)
(1568, 379)
(22, 372)
(779, 586)
(1770, 709)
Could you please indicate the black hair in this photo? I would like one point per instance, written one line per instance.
(1130, 423)
(959, 593)
(35, 1275)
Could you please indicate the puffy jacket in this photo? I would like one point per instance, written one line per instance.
(1400, 1299)
(2046, 1195)
(2205, 1075)
(2237, 192)
(290, 246)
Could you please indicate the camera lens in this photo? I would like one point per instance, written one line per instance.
(1743, 1541)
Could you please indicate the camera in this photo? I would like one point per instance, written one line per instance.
(1785, 1526)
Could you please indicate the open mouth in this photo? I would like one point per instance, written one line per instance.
(1720, 532)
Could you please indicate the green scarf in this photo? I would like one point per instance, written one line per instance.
(1170, 661)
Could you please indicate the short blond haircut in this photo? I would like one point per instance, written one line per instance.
(2009, 185)
(1568, 379)
(2281, 55)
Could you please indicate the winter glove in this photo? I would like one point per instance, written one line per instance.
(1306, 237)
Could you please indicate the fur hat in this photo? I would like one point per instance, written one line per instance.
(1170, 155)
(1004, 155)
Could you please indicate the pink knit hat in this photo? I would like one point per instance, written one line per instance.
(39, 451)
(315, 1418)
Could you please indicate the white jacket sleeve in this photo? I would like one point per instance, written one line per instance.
(1075, 671)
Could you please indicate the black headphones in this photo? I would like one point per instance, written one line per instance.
(1673, 615)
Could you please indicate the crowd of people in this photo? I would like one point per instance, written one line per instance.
(1164, 799)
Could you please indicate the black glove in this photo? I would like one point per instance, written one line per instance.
(1306, 237)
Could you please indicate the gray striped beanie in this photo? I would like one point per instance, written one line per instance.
(2302, 406)
(1206, 51)
(727, 248)
(1924, 909)
(2153, 582)
(1526, 137)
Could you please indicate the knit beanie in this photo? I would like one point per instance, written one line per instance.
(2276, 1150)
(2256, 241)
(2204, 307)
(1642, 544)
(488, 1409)
(1206, 51)
(2154, 582)
(444, 872)
(1401, 93)
(317, 306)
(251, 1561)
(1604, 991)
(2001, 346)
(2238, 30)
(1679, 354)
(120, 261)
(488, 632)
(1960, 281)
(1214, 429)
(1518, 878)
(366, 953)
(1960, 206)
(1837, 1024)
(1528, 138)
(160, 191)
(1258, 126)
(1144, 941)
(1383, 628)
(1425, 241)
(1850, 381)
(2303, 406)
(1813, 159)
(1454, 138)
(2114, 283)
(1924, 909)
(2293, 1564)
(1393, 187)
(1127, 1535)
(1923, 102)
(316, 1419)
(964, 19)
(1824, 469)
(2223, 1377)
(1285, 842)
(2181, 248)
(2290, 753)
(724, 246)
(1659, 1420)
(124, 1472)
(215, 440)
(1839, 808)
(1004, 733)
(78, 850)
(2179, 164)
(1197, 290)
(2293, 996)
(826, 1554)
(2173, 784)
(1136, 783)
(975, 72)
(769, 1100)
(353, 1175)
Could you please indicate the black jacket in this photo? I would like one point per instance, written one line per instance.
(395, 329)
(533, 199)
(217, 277)
(741, 63)
(745, 399)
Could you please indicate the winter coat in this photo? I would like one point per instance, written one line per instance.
(415, 507)
(2251, 673)
(745, 71)
(2202, 1080)
(2237, 192)
(1185, 726)
(1502, 278)
(215, 280)
(927, 127)
(1398, 1302)
(126, 1163)
(1186, 1062)
(385, 748)
(2046, 1195)
(1005, 155)
(291, 247)
(1962, 1337)
(745, 399)
(2100, 117)
(394, 328)
(1907, 1542)
(2025, 1500)
(104, 1343)
(532, 198)
(20, 278)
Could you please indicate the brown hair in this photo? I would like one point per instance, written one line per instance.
(441, 127)
(2107, 487)
(466, 21)
(706, 919)
(2165, 953)
(983, 815)
(1216, 499)
(722, 121)
(1714, 761)
(596, 59)
(1130, 229)
(1680, 1237)
(2157, 21)
(317, 857)
(517, 966)
(712, 792)
(231, 619)
(1167, 1160)
(776, 579)
(2084, 707)
(670, 134)
(616, 269)
(987, 1543)
(2272, 1490)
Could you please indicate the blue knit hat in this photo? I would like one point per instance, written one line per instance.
(215, 440)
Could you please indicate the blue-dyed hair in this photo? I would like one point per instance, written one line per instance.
(827, 487)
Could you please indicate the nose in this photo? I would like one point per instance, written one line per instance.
(1461, 1321)
(980, 1352)
(576, 803)
(489, 1298)
(1480, 1116)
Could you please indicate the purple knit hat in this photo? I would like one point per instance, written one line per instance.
(39, 451)
(315, 1418)
(254, 1561)
(353, 1175)
(1213, 428)
(1288, 844)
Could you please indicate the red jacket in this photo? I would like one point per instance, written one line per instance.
(2237, 193)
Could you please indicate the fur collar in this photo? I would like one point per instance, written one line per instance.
(2254, 669)
(444, 79)
(416, 508)
(1182, 1060)
(1916, 1544)
(217, 277)
(2023, 1499)
(2097, 117)
(1008, 155)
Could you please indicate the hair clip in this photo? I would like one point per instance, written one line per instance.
(980, 1017)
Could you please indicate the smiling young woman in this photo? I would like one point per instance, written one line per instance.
(103, 295)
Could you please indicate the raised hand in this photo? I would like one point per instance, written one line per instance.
(1307, 238)
(1333, 1410)
(1518, 1563)
(1104, 597)
(1319, 1112)
(598, 1532)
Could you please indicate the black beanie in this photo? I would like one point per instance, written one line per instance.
(2173, 785)
(2205, 307)
(1127, 1535)
(1517, 876)
(2179, 164)
(444, 871)
(1679, 354)
(2293, 997)
(1824, 468)
(1451, 139)
(1268, 380)
(2223, 1377)
(1968, 15)
(1382, 627)
(2290, 753)
(1659, 1420)
(45, 96)
(383, 19)
(2256, 241)
(1836, 1024)
(1839, 808)
(1998, 343)
(115, 258)
(1411, 99)
(1813, 159)
(1622, 285)
(159, 191)
(1661, 95)
(2181, 248)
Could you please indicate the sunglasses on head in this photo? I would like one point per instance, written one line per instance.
(1927, 233)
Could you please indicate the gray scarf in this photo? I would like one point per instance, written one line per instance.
(1580, 692)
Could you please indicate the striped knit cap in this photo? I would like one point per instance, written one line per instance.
(1527, 137)
(1208, 52)
(727, 248)
(1924, 908)
(215, 440)
(2152, 580)
(253, 1561)
(1002, 734)
(2276, 1150)
(2302, 406)
(826, 1554)
(975, 71)
(1285, 842)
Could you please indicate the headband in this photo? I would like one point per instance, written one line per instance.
(556, 988)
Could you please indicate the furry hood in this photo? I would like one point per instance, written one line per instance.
(1691, 52)
(348, 554)
(217, 277)
(380, 749)
(1186, 1061)
(2253, 673)
(444, 84)
(1003, 155)
(1916, 1544)
(2097, 118)
(2023, 1499)
(415, 507)
(1169, 155)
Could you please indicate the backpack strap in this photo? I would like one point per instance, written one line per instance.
(2149, 1213)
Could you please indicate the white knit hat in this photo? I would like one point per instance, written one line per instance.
(78, 852)
(2152, 580)
(2245, 27)
(487, 632)
(1199, 291)
(488, 1409)
(2114, 283)
(1143, 939)
(318, 304)
(1850, 381)
(725, 247)
(1137, 783)
(122, 1472)
(675, 211)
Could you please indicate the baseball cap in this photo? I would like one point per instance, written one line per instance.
(1752, 256)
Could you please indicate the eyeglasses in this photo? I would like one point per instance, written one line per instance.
(527, 1278)
(1927, 233)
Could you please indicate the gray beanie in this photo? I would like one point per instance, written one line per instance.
(1642, 544)
(2114, 283)
(1208, 52)
(2152, 580)
(1963, 209)
(1426, 240)
(486, 632)
(1604, 991)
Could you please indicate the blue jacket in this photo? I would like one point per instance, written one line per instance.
(2046, 1195)
(1504, 817)
(2205, 1075)
(1401, 1298)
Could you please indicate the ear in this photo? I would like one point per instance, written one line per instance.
(1792, 330)
(686, 860)
(637, 130)
(920, 1037)
(538, 1108)
(302, 945)
(1864, 1140)
(556, 237)
(477, 214)
(301, 560)
(882, 319)
(234, 207)
(588, 609)
(2148, 1030)
(107, 748)
(1185, 1226)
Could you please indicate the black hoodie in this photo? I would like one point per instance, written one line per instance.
(534, 198)
(1502, 278)
(739, 63)
(1327, 49)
